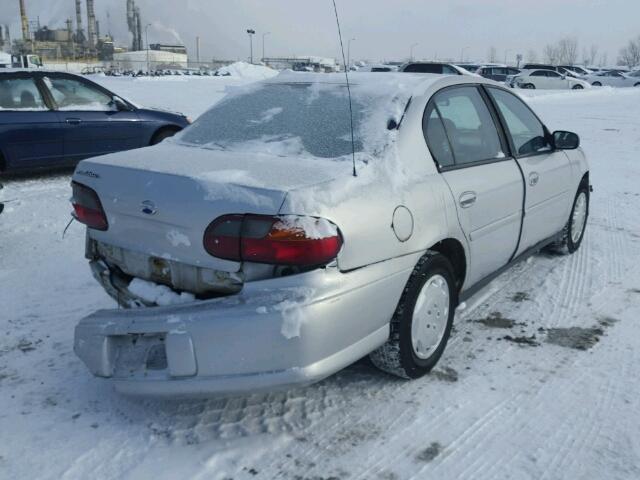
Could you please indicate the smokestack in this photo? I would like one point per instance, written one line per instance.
(139, 29)
(91, 27)
(25, 22)
(79, 32)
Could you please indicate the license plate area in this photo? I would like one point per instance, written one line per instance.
(139, 354)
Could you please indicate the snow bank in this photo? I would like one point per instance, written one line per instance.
(247, 71)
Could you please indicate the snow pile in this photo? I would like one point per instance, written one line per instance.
(248, 71)
(313, 228)
(158, 294)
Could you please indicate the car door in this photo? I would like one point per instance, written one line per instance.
(30, 131)
(94, 123)
(539, 79)
(485, 183)
(556, 80)
(547, 173)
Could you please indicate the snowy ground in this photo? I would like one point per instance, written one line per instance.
(493, 409)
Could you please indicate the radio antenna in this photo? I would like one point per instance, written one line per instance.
(346, 75)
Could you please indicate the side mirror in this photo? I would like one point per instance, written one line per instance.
(120, 104)
(392, 124)
(565, 140)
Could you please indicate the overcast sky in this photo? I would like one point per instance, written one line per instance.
(384, 29)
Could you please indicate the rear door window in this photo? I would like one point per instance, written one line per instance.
(74, 95)
(526, 131)
(470, 127)
(436, 137)
(20, 94)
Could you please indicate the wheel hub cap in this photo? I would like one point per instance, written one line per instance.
(579, 217)
(430, 317)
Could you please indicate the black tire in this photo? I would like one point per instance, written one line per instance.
(578, 87)
(397, 355)
(637, 84)
(529, 86)
(566, 245)
(596, 84)
(162, 135)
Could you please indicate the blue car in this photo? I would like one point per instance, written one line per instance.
(55, 119)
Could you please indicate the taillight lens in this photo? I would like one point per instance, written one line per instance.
(87, 207)
(282, 240)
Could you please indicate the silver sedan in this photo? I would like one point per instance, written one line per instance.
(295, 228)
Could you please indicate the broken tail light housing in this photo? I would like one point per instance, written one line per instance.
(87, 207)
(275, 240)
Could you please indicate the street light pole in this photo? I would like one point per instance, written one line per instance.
(264, 35)
(251, 32)
(146, 38)
(349, 53)
(506, 52)
(411, 51)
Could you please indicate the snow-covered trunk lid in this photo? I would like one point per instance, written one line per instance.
(159, 201)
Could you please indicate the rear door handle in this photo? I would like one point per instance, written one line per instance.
(73, 121)
(467, 199)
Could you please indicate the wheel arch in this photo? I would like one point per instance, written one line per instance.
(162, 129)
(454, 251)
(3, 162)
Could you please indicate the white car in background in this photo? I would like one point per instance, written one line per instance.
(548, 80)
(614, 78)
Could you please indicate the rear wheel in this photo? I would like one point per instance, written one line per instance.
(596, 84)
(578, 87)
(529, 86)
(573, 232)
(637, 84)
(422, 322)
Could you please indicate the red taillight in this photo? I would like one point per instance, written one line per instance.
(286, 240)
(87, 207)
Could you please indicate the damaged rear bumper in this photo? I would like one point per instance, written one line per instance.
(276, 333)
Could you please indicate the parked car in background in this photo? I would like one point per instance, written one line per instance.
(499, 74)
(577, 69)
(614, 78)
(269, 257)
(378, 68)
(434, 67)
(546, 79)
(53, 119)
(564, 70)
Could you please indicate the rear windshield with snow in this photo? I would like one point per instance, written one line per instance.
(296, 119)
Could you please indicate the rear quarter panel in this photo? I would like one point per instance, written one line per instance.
(363, 206)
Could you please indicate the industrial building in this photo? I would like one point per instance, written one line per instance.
(150, 60)
(66, 43)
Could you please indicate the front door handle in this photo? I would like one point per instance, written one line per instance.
(467, 199)
(534, 178)
(74, 121)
